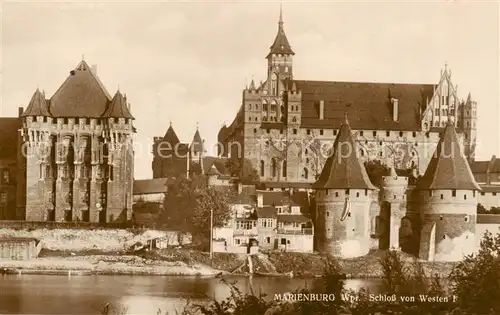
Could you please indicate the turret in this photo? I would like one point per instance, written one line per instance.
(448, 193)
(344, 195)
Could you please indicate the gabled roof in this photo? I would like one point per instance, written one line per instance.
(215, 165)
(448, 168)
(38, 105)
(118, 107)
(197, 143)
(281, 44)
(81, 95)
(267, 212)
(170, 136)
(343, 169)
(246, 197)
(368, 104)
(9, 128)
(284, 198)
(150, 186)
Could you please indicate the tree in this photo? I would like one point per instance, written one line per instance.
(243, 170)
(481, 209)
(188, 204)
(375, 170)
(476, 279)
(146, 213)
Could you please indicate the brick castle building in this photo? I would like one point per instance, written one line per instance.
(284, 125)
(74, 154)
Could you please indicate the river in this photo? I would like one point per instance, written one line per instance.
(39, 294)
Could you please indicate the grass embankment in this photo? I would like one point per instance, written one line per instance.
(307, 265)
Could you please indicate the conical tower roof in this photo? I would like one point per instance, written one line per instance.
(118, 107)
(197, 143)
(281, 44)
(343, 169)
(38, 106)
(171, 137)
(448, 168)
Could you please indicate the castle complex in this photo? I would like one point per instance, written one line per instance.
(285, 126)
(76, 159)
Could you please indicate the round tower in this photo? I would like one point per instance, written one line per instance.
(448, 193)
(393, 208)
(344, 195)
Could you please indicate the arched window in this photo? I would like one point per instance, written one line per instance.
(274, 87)
(261, 168)
(305, 173)
(283, 169)
(273, 167)
(294, 119)
(282, 108)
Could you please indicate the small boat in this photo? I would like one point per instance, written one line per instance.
(274, 274)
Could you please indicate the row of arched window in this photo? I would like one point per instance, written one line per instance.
(274, 169)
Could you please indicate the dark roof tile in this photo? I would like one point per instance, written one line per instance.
(267, 212)
(343, 169)
(368, 104)
(81, 95)
(293, 218)
(150, 186)
(38, 106)
(118, 108)
(448, 168)
(281, 44)
(170, 136)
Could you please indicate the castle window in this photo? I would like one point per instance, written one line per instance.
(306, 151)
(374, 133)
(6, 177)
(308, 132)
(453, 193)
(261, 168)
(380, 143)
(466, 219)
(394, 197)
(65, 121)
(268, 130)
(294, 131)
(474, 193)
(40, 172)
(482, 193)
(366, 192)
(444, 237)
(361, 133)
(284, 169)
(307, 160)
(264, 106)
(254, 130)
(334, 132)
(361, 152)
(387, 133)
(380, 153)
(357, 194)
(282, 119)
(465, 197)
(273, 167)
(400, 133)
(494, 194)
(441, 218)
(430, 193)
(321, 132)
(347, 191)
(414, 134)
(442, 197)
(327, 213)
(305, 173)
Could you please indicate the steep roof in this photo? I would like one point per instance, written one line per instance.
(8, 137)
(280, 44)
(170, 136)
(343, 169)
(118, 107)
(268, 212)
(197, 143)
(37, 106)
(215, 165)
(448, 168)
(81, 95)
(150, 186)
(368, 104)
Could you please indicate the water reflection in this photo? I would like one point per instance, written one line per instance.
(32, 294)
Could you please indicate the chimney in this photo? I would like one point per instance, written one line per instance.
(260, 199)
(321, 109)
(20, 111)
(395, 109)
(93, 69)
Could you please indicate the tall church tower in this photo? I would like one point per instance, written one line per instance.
(78, 153)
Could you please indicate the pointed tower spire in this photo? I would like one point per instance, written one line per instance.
(281, 44)
(252, 85)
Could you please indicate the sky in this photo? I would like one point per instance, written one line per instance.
(188, 62)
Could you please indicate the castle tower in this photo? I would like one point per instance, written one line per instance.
(169, 155)
(79, 153)
(468, 124)
(393, 208)
(344, 195)
(196, 153)
(448, 194)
